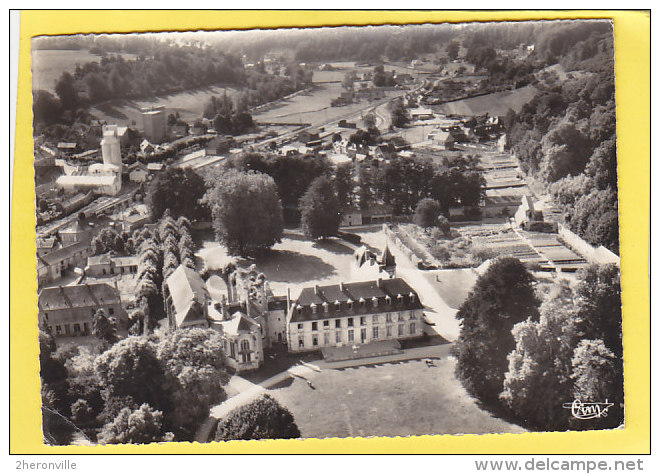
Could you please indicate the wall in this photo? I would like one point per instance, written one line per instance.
(599, 255)
(308, 334)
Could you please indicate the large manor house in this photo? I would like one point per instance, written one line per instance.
(240, 305)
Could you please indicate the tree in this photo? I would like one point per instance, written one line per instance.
(598, 376)
(104, 328)
(398, 113)
(262, 419)
(139, 426)
(66, 91)
(108, 240)
(598, 301)
(81, 412)
(349, 79)
(178, 190)
(319, 209)
(501, 298)
(452, 50)
(540, 366)
(46, 107)
(194, 373)
(427, 213)
(344, 185)
(246, 210)
(123, 370)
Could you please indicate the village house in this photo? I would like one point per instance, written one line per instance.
(54, 265)
(219, 146)
(186, 299)
(138, 172)
(442, 139)
(354, 313)
(69, 310)
(421, 113)
(102, 265)
(77, 231)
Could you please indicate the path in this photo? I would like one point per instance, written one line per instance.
(247, 392)
(439, 313)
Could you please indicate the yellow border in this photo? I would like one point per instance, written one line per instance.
(632, 45)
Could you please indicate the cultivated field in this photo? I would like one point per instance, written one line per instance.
(394, 399)
(313, 107)
(48, 65)
(497, 103)
(189, 104)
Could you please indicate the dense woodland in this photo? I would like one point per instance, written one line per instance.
(566, 136)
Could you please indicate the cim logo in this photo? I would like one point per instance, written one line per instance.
(588, 411)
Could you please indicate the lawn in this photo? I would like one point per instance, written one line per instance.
(497, 103)
(189, 104)
(48, 65)
(452, 285)
(400, 399)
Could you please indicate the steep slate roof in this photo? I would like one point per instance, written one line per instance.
(361, 294)
(185, 284)
(59, 255)
(386, 258)
(239, 323)
(78, 296)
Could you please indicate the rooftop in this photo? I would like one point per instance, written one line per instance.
(357, 299)
(186, 286)
(78, 296)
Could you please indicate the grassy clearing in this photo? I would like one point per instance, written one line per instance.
(314, 107)
(497, 103)
(400, 399)
(189, 104)
(48, 65)
(452, 285)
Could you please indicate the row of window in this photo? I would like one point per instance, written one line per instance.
(66, 329)
(111, 312)
(351, 322)
(375, 335)
(130, 269)
(361, 302)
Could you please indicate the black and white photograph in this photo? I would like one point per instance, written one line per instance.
(335, 232)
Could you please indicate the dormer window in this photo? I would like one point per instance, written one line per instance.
(313, 306)
(299, 308)
(399, 298)
(412, 297)
(350, 304)
(325, 307)
(374, 300)
(362, 302)
(337, 306)
(388, 299)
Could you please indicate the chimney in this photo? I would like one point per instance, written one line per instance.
(341, 286)
(316, 290)
(288, 300)
(380, 283)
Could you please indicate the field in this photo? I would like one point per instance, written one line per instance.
(189, 104)
(394, 399)
(497, 103)
(48, 65)
(313, 107)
